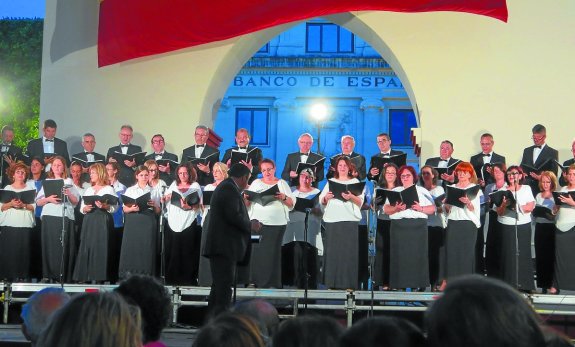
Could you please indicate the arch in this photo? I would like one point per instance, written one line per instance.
(245, 47)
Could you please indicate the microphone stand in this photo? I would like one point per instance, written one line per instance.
(516, 235)
(372, 242)
(305, 269)
(162, 240)
(63, 234)
(2, 162)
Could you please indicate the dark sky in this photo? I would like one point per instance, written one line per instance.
(22, 8)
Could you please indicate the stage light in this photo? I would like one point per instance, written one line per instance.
(318, 112)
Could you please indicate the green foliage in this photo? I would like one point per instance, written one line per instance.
(20, 71)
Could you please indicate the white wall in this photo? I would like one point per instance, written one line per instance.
(465, 74)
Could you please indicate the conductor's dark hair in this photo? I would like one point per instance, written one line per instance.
(317, 331)
(538, 129)
(239, 170)
(383, 331)
(50, 123)
(230, 330)
(153, 300)
(477, 311)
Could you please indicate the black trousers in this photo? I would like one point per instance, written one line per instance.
(223, 272)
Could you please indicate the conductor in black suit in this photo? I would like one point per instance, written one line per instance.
(228, 236)
(88, 156)
(444, 160)
(9, 153)
(48, 145)
(305, 155)
(202, 150)
(126, 176)
(540, 155)
(347, 149)
(243, 145)
(166, 171)
(486, 156)
(385, 151)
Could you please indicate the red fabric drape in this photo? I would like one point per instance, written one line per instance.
(130, 29)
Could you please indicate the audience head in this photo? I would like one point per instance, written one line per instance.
(383, 331)
(94, 320)
(38, 310)
(316, 331)
(230, 330)
(153, 300)
(262, 312)
(476, 311)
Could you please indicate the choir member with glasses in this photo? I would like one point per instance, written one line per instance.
(166, 172)
(202, 150)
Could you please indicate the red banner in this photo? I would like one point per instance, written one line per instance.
(130, 29)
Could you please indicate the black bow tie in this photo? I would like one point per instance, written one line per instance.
(537, 147)
(49, 140)
(385, 154)
(445, 160)
(487, 155)
(304, 154)
(242, 148)
(88, 153)
(124, 146)
(200, 146)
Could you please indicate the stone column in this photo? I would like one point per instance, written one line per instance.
(373, 124)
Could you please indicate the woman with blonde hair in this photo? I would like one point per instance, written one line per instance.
(93, 257)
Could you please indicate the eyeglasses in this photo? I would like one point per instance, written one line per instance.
(513, 173)
(158, 141)
(538, 138)
(406, 176)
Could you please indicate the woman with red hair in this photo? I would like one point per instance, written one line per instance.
(515, 220)
(408, 266)
(462, 224)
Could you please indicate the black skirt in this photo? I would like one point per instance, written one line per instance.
(180, 258)
(265, 262)
(460, 238)
(565, 259)
(204, 271)
(52, 248)
(408, 266)
(381, 266)
(138, 254)
(340, 254)
(544, 254)
(517, 274)
(15, 245)
(93, 263)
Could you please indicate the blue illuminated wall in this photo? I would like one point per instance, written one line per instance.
(316, 62)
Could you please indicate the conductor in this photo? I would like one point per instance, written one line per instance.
(228, 236)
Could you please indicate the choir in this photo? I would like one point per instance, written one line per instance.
(106, 217)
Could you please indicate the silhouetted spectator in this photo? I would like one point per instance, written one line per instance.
(230, 330)
(383, 332)
(308, 331)
(94, 320)
(154, 302)
(38, 310)
(262, 312)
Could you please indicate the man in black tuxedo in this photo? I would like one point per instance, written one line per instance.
(126, 176)
(243, 145)
(539, 156)
(567, 163)
(87, 157)
(347, 146)
(167, 172)
(9, 154)
(49, 145)
(486, 156)
(305, 155)
(228, 236)
(202, 150)
(385, 151)
(444, 160)
(483, 172)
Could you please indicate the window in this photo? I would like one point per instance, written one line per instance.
(265, 48)
(400, 124)
(256, 120)
(328, 38)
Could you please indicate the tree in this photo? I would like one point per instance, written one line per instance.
(20, 72)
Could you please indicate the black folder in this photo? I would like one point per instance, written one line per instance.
(238, 156)
(380, 196)
(105, 199)
(53, 187)
(85, 164)
(203, 161)
(207, 197)
(141, 201)
(447, 170)
(302, 204)
(379, 162)
(164, 162)
(408, 196)
(121, 157)
(542, 212)
(191, 199)
(453, 194)
(26, 196)
(338, 188)
(565, 194)
(265, 197)
(482, 173)
(547, 165)
(313, 166)
(496, 198)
